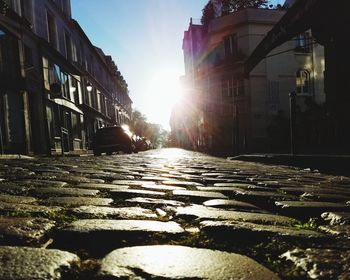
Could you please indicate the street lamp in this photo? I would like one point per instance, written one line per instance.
(88, 87)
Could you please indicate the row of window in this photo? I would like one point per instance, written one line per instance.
(232, 87)
(61, 83)
(75, 54)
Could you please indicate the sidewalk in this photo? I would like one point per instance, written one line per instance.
(330, 164)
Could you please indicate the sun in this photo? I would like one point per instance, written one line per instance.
(164, 90)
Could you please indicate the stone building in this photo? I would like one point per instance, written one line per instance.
(56, 87)
(238, 114)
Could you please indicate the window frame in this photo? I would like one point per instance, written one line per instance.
(303, 86)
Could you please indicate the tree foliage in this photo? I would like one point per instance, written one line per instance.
(230, 6)
(141, 127)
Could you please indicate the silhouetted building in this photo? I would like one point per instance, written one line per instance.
(329, 24)
(236, 115)
(56, 88)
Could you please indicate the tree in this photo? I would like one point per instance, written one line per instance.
(153, 132)
(230, 6)
(235, 5)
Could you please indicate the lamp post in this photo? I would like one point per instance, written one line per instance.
(292, 97)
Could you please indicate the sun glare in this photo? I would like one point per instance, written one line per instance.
(163, 92)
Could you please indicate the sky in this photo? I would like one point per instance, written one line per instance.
(144, 37)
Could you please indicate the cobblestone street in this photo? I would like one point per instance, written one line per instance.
(170, 214)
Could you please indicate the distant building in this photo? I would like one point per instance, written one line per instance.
(56, 87)
(236, 115)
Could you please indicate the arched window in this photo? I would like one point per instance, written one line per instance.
(303, 82)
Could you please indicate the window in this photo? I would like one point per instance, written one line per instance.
(68, 46)
(15, 5)
(65, 85)
(74, 89)
(51, 30)
(303, 82)
(76, 126)
(238, 87)
(27, 10)
(99, 97)
(51, 73)
(230, 45)
(2, 62)
(65, 8)
(74, 52)
(28, 57)
(303, 43)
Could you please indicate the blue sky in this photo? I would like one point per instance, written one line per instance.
(144, 37)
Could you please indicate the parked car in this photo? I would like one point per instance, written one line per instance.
(142, 144)
(112, 139)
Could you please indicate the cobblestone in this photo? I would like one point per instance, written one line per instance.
(161, 206)
(23, 230)
(18, 263)
(177, 262)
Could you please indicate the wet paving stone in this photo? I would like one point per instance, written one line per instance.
(203, 212)
(77, 201)
(101, 187)
(127, 193)
(124, 210)
(253, 231)
(10, 188)
(338, 231)
(114, 226)
(153, 178)
(132, 183)
(179, 262)
(17, 199)
(115, 212)
(337, 218)
(99, 236)
(321, 263)
(19, 263)
(26, 209)
(313, 196)
(263, 196)
(42, 183)
(227, 190)
(229, 203)
(198, 196)
(162, 187)
(154, 201)
(181, 183)
(64, 192)
(316, 190)
(309, 208)
(23, 230)
(234, 185)
(71, 179)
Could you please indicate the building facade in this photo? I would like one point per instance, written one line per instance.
(238, 114)
(56, 87)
